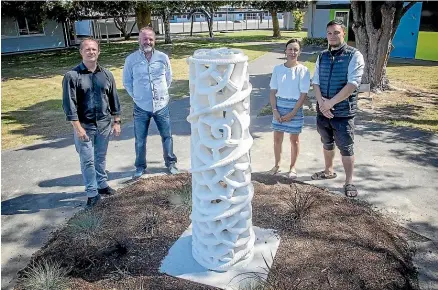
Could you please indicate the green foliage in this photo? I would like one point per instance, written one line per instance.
(279, 6)
(318, 41)
(57, 10)
(182, 197)
(298, 19)
(85, 225)
(299, 204)
(266, 110)
(19, 8)
(45, 275)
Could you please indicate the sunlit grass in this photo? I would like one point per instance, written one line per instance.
(419, 74)
(32, 90)
(407, 110)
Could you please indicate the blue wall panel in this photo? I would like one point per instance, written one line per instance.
(406, 36)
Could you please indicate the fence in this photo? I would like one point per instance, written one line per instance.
(223, 21)
(179, 24)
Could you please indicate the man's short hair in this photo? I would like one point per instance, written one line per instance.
(336, 22)
(148, 28)
(89, 39)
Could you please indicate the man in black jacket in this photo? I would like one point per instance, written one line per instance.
(338, 74)
(90, 102)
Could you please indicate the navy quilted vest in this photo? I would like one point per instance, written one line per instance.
(333, 76)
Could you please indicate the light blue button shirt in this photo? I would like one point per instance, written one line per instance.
(147, 82)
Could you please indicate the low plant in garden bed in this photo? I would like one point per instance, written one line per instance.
(327, 241)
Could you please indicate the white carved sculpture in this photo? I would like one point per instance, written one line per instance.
(221, 173)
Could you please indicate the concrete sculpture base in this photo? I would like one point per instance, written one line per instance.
(180, 263)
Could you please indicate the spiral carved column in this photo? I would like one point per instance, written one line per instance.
(221, 172)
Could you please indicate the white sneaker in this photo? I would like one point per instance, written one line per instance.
(172, 169)
(292, 175)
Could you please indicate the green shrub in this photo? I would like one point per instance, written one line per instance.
(266, 110)
(317, 41)
(45, 275)
(298, 19)
(85, 225)
(182, 197)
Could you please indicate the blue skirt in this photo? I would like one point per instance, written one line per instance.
(294, 126)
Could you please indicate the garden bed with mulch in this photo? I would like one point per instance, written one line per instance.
(327, 241)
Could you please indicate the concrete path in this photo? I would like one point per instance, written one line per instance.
(396, 170)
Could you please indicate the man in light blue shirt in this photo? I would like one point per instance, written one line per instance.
(147, 76)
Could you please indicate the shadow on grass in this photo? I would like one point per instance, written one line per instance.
(420, 112)
(48, 64)
(399, 62)
(47, 119)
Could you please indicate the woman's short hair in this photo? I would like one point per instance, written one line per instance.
(294, 40)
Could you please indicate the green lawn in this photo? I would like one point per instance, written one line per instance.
(31, 83)
(407, 109)
(419, 74)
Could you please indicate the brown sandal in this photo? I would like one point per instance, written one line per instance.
(321, 175)
(350, 190)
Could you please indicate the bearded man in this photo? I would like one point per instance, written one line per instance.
(147, 76)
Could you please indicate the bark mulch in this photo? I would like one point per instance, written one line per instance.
(327, 241)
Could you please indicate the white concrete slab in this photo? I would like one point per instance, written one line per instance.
(180, 263)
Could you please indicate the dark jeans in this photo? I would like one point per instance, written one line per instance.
(339, 130)
(142, 119)
(92, 154)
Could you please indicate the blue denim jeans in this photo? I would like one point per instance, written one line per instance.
(142, 119)
(92, 154)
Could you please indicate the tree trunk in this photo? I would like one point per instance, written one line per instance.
(374, 26)
(275, 25)
(191, 25)
(130, 31)
(166, 21)
(143, 14)
(121, 24)
(210, 23)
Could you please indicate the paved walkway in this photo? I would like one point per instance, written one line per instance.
(396, 170)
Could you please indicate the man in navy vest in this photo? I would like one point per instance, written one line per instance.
(338, 73)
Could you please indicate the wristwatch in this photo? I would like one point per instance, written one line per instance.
(118, 122)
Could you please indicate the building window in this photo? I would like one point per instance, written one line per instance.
(220, 15)
(251, 16)
(29, 25)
